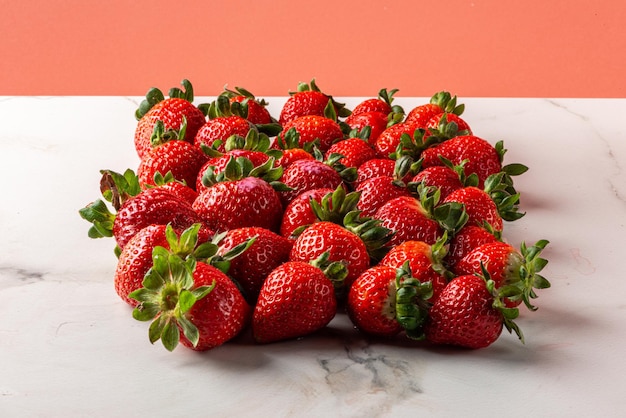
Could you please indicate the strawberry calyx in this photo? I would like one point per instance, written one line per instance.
(168, 293)
(509, 314)
(412, 303)
(155, 95)
(334, 206)
(238, 168)
(160, 135)
(447, 103)
(499, 187)
(347, 174)
(374, 236)
(451, 216)
(446, 129)
(335, 271)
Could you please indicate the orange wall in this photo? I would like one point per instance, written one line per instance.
(487, 48)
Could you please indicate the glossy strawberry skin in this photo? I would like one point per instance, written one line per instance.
(292, 154)
(442, 177)
(419, 256)
(180, 158)
(219, 129)
(483, 159)
(464, 241)
(296, 299)
(371, 302)
(303, 103)
(250, 201)
(420, 115)
(171, 112)
(250, 268)
(375, 167)
(372, 105)
(479, 206)
(407, 218)
(152, 206)
(298, 212)
(377, 191)
(463, 315)
(305, 174)
(377, 122)
(355, 151)
(341, 244)
(222, 314)
(315, 127)
(389, 139)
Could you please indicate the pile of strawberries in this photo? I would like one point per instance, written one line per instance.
(238, 219)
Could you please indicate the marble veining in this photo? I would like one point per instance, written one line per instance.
(69, 346)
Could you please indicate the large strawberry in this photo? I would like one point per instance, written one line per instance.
(189, 296)
(515, 273)
(176, 115)
(467, 314)
(297, 299)
(180, 158)
(241, 196)
(250, 268)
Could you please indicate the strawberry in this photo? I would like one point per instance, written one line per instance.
(215, 131)
(189, 296)
(445, 178)
(308, 99)
(477, 155)
(389, 140)
(439, 103)
(383, 301)
(341, 244)
(220, 204)
(375, 121)
(355, 151)
(305, 174)
(297, 298)
(465, 315)
(176, 116)
(250, 268)
(409, 220)
(288, 143)
(136, 258)
(375, 167)
(377, 191)
(466, 239)
(514, 272)
(299, 213)
(447, 125)
(216, 165)
(425, 262)
(254, 109)
(381, 103)
(479, 207)
(315, 129)
(180, 158)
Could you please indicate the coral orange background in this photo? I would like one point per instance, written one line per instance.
(498, 48)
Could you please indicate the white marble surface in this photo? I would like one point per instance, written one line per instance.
(69, 347)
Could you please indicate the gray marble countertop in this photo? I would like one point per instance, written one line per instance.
(70, 348)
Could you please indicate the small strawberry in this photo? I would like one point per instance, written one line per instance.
(377, 191)
(180, 158)
(389, 140)
(189, 296)
(466, 239)
(439, 103)
(297, 298)
(382, 103)
(479, 207)
(215, 131)
(177, 115)
(254, 109)
(514, 272)
(377, 122)
(383, 301)
(241, 196)
(288, 143)
(355, 151)
(304, 174)
(315, 129)
(250, 268)
(466, 315)
(425, 262)
(443, 177)
(308, 99)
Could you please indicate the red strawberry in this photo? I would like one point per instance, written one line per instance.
(250, 268)
(176, 114)
(341, 244)
(254, 109)
(464, 315)
(193, 297)
(477, 156)
(447, 125)
(215, 131)
(410, 221)
(216, 165)
(309, 100)
(288, 142)
(478, 205)
(384, 301)
(514, 272)
(381, 104)
(439, 103)
(178, 189)
(377, 191)
(237, 198)
(135, 260)
(389, 140)
(425, 262)
(305, 174)
(376, 121)
(355, 151)
(316, 129)
(180, 158)
(297, 299)
(299, 213)
(466, 239)
(445, 178)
